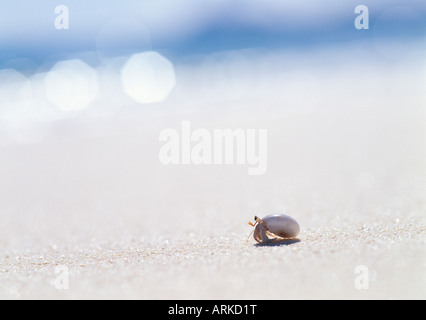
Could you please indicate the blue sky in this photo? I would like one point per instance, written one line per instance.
(186, 27)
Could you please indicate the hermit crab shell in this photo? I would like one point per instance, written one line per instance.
(282, 225)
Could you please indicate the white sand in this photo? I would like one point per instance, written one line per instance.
(346, 158)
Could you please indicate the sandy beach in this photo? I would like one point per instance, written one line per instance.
(89, 212)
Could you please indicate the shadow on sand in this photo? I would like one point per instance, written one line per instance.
(278, 242)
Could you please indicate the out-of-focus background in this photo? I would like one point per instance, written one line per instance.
(87, 87)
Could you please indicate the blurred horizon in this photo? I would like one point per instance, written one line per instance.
(183, 28)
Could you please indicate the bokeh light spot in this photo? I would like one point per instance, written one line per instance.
(71, 85)
(148, 77)
(15, 94)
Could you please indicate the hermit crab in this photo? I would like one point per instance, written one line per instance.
(278, 226)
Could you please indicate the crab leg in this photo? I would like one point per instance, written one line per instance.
(261, 236)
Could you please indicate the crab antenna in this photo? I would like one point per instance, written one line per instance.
(249, 235)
